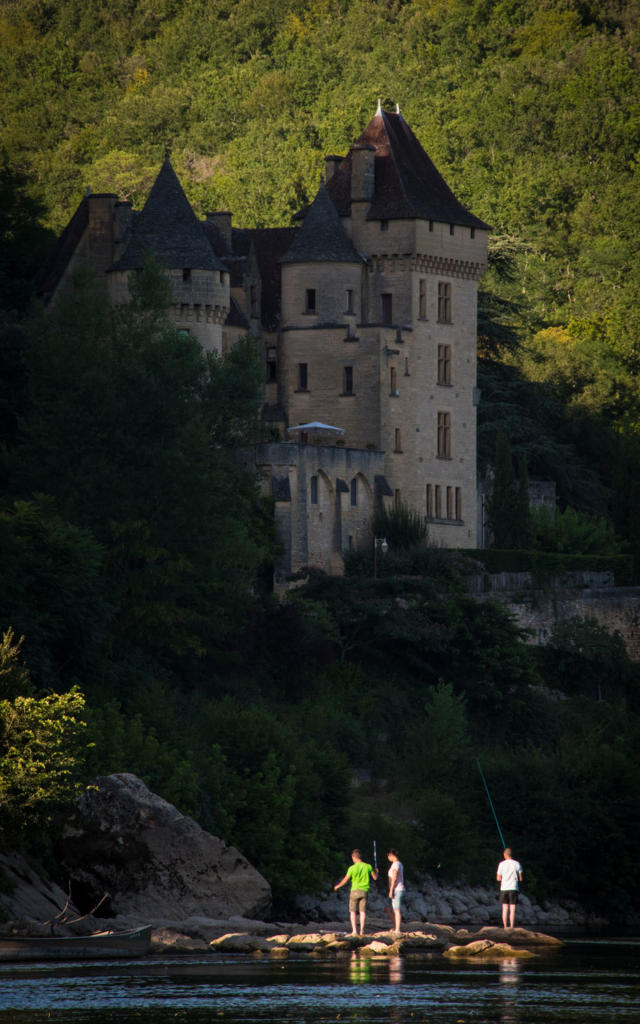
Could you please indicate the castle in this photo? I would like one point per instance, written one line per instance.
(366, 314)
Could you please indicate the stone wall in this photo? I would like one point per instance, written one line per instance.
(615, 608)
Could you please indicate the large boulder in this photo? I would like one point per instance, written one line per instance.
(154, 862)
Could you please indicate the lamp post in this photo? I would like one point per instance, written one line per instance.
(379, 543)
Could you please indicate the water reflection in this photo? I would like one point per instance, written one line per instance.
(396, 970)
(509, 976)
(359, 970)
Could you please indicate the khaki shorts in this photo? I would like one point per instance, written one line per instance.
(357, 900)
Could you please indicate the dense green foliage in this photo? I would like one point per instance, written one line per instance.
(132, 548)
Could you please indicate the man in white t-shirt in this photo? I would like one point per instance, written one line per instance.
(509, 875)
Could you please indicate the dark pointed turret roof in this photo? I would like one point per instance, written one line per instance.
(168, 227)
(322, 237)
(407, 183)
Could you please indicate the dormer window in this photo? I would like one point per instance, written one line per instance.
(310, 306)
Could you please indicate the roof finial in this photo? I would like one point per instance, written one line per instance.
(397, 108)
(88, 192)
(167, 152)
(379, 110)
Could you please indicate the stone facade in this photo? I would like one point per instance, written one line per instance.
(367, 317)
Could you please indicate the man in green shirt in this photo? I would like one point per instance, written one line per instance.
(360, 874)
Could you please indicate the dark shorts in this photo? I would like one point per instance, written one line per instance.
(509, 896)
(357, 900)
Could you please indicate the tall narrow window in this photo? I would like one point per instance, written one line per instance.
(429, 501)
(438, 508)
(354, 491)
(449, 502)
(384, 225)
(310, 306)
(253, 299)
(397, 497)
(272, 365)
(313, 490)
(459, 504)
(444, 435)
(393, 382)
(452, 229)
(186, 274)
(444, 364)
(422, 299)
(347, 380)
(303, 377)
(398, 440)
(444, 302)
(387, 307)
(348, 300)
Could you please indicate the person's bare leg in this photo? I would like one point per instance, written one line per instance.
(352, 915)
(397, 914)
(512, 915)
(363, 916)
(505, 915)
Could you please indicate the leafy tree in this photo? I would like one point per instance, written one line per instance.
(40, 750)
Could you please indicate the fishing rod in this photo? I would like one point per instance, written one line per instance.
(504, 845)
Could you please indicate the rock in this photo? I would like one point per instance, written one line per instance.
(166, 940)
(486, 948)
(29, 895)
(152, 860)
(375, 948)
(519, 937)
(240, 942)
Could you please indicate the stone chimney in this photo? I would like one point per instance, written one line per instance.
(331, 166)
(221, 220)
(363, 174)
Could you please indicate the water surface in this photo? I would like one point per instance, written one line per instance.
(587, 982)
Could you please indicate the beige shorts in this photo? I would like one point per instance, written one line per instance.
(357, 900)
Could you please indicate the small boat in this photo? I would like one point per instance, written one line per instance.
(99, 946)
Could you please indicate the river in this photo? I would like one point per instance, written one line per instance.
(590, 981)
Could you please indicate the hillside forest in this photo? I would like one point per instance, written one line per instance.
(138, 630)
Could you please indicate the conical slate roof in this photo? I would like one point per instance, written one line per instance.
(168, 227)
(407, 183)
(322, 237)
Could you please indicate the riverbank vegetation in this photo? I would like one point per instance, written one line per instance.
(135, 554)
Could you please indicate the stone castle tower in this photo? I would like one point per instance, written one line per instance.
(367, 317)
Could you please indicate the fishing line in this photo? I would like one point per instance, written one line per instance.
(491, 805)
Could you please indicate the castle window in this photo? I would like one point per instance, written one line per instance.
(272, 365)
(303, 377)
(444, 364)
(438, 502)
(459, 504)
(354, 491)
(387, 307)
(313, 490)
(452, 229)
(397, 497)
(397, 440)
(253, 300)
(449, 502)
(444, 435)
(430, 225)
(422, 302)
(406, 366)
(186, 275)
(444, 302)
(348, 300)
(473, 232)
(347, 380)
(384, 225)
(429, 501)
(310, 306)
(393, 383)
